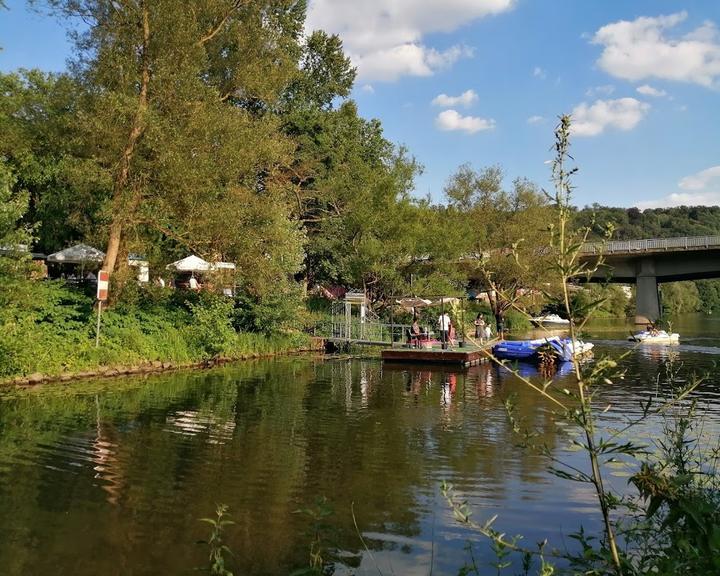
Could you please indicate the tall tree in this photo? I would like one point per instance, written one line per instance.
(505, 233)
(177, 116)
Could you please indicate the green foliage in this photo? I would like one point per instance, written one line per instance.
(52, 330)
(500, 234)
(266, 315)
(680, 298)
(635, 224)
(211, 327)
(218, 550)
(321, 534)
(709, 294)
(604, 301)
(14, 237)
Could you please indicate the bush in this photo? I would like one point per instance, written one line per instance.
(51, 330)
(211, 327)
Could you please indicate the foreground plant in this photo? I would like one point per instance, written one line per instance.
(219, 551)
(668, 493)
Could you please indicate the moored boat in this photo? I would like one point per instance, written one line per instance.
(550, 320)
(562, 349)
(655, 337)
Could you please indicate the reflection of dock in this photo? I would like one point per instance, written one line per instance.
(469, 356)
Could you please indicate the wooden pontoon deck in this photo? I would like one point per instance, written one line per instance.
(465, 356)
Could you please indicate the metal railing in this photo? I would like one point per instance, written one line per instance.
(368, 331)
(650, 245)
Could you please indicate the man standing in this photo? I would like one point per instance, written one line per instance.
(444, 326)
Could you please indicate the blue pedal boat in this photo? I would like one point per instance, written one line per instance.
(528, 350)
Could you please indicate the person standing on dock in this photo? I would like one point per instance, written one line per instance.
(480, 327)
(444, 326)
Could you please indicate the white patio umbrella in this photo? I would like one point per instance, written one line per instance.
(190, 264)
(78, 254)
(413, 302)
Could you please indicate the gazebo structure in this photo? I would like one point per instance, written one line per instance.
(83, 258)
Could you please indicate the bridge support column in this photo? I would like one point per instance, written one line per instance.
(647, 305)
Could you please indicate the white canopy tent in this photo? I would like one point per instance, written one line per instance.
(196, 264)
(190, 264)
(78, 254)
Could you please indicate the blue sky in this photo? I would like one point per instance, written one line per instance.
(641, 77)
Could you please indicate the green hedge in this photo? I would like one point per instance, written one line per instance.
(54, 332)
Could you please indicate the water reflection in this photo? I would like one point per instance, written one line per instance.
(129, 466)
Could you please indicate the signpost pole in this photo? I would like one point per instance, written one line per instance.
(102, 295)
(97, 331)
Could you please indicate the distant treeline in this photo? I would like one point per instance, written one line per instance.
(635, 224)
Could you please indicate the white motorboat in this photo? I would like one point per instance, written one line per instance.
(655, 337)
(550, 320)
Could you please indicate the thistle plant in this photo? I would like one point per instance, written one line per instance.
(577, 404)
(218, 550)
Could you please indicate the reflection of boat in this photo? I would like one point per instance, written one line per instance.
(655, 337)
(531, 370)
(550, 320)
(531, 350)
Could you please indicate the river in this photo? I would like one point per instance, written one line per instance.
(112, 477)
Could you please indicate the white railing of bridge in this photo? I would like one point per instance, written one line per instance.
(651, 245)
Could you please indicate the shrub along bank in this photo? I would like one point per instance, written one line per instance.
(52, 331)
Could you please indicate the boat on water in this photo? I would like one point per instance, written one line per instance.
(655, 337)
(562, 349)
(550, 320)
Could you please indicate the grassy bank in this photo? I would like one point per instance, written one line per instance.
(53, 332)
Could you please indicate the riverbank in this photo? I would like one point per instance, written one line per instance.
(52, 336)
(155, 366)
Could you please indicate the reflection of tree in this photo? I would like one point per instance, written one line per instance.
(266, 438)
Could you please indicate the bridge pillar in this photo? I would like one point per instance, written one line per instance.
(647, 304)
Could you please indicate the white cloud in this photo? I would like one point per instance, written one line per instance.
(368, 88)
(648, 90)
(593, 119)
(539, 73)
(640, 49)
(407, 60)
(451, 120)
(683, 199)
(701, 180)
(384, 38)
(535, 120)
(466, 99)
(604, 90)
(700, 189)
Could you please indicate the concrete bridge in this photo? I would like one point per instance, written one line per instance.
(649, 262)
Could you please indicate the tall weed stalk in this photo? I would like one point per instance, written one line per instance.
(667, 493)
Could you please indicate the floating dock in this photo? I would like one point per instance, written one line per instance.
(467, 356)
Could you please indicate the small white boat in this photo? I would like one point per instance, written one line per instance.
(655, 337)
(550, 320)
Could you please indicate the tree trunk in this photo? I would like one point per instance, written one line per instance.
(120, 214)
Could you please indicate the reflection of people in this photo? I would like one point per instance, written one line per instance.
(444, 326)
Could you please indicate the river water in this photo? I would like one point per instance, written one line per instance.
(112, 477)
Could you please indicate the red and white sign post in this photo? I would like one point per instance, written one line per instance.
(103, 285)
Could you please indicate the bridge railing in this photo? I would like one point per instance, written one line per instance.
(650, 245)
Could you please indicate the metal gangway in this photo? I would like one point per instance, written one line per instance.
(352, 321)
